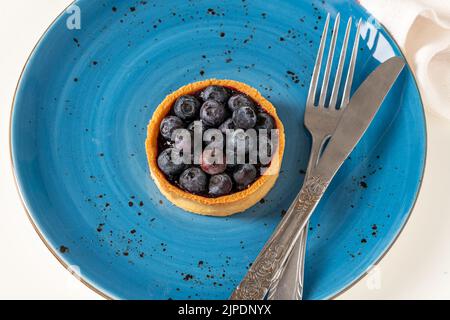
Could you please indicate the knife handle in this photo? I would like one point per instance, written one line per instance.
(268, 265)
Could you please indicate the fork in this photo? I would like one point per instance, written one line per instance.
(321, 121)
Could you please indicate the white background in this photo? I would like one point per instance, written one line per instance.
(417, 266)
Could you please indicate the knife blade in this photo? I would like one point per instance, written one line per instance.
(358, 115)
(356, 119)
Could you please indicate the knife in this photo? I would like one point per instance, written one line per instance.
(355, 120)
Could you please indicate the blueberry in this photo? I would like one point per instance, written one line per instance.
(244, 175)
(227, 125)
(216, 93)
(201, 123)
(220, 185)
(191, 125)
(240, 100)
(169, 125)
(244, 117)
(241, 142)
(213, 138)
(265, 150)
(231, 162)
(213, 161)
(213, 113)
(183, 140)
(194, 180)
(264, 121)
(168, 164)
(187, 107)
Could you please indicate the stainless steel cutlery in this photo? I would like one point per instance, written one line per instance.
(356, 118)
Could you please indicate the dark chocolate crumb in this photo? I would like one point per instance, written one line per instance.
(100, 227)
(63, 249)
(188, 277)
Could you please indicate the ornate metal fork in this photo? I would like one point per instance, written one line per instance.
(321, 121)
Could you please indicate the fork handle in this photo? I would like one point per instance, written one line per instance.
(289, 285)
(268, 265)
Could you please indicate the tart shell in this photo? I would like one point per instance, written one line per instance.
(224, 205)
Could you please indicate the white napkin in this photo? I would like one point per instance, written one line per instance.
(422, 29)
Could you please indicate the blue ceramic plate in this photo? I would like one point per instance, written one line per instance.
(79, 125)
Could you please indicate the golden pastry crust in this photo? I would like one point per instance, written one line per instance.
(220, 206)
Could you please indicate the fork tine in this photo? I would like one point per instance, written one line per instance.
(326, 77)
(317, 66)
(338, 77)
(351, 69)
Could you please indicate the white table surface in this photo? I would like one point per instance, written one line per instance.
(417, 267)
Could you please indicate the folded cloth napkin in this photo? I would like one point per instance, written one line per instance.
(422, 29)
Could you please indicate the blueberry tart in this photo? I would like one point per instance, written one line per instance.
(215, 147)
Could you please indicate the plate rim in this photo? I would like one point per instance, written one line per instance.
(95, 287)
